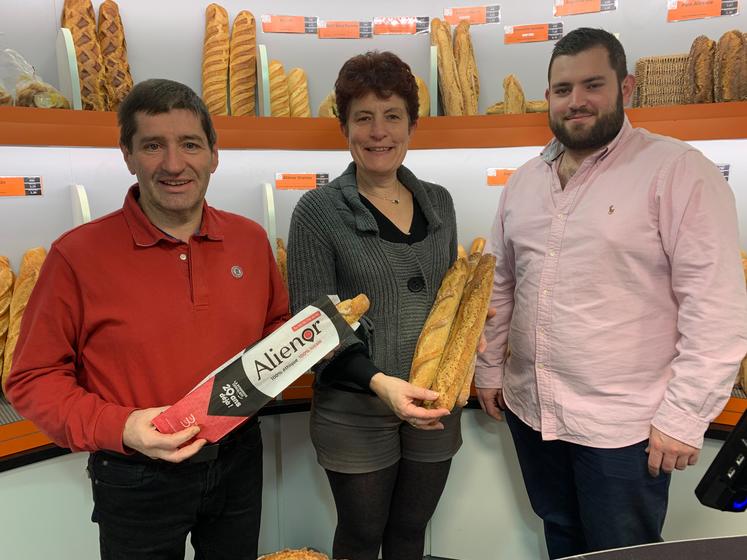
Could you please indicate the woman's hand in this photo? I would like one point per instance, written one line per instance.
(401, 397)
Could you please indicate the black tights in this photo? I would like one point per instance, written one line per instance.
(389, 508)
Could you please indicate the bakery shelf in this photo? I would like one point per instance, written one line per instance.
(21, 126)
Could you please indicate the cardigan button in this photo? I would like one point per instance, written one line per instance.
(416, 284)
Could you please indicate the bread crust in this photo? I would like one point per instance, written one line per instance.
(353, 309)
(6, 294)
(298, 93)
(117, 76)
(242, 64)
(295, 554)
(730, 67)
(513, 96)
(215, 58)
(78, 16)
(279, 95)
(469, 81)
(424, 98)
(448, 80)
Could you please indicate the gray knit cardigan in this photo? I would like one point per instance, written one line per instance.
(334, 248)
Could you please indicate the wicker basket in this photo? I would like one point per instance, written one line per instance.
(660, 80)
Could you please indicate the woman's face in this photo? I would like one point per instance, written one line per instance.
(378, 133)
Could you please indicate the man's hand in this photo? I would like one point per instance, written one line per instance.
(666, 453)
(491, 402)
(141, 435)
(401, 396)
(483, 344)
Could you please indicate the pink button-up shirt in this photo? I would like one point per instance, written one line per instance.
(621, 297)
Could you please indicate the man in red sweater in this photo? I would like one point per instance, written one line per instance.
(129, 313)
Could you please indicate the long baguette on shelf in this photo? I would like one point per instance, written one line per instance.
(448, 77)
(242, 64)
(215, 57)
(464, 55)
(328, 107)
(6, 294)
(117, 77)
(513, 96)
(279, 95)
(78, 16)
(298, 93)
(424, 98)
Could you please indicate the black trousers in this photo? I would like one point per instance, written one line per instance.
(145, 509)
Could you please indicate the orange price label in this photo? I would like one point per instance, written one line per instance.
(288, 24)
(404, 25)
(345, 29)
(475, 15)
(683, 10)
(498, 177)
(20, 186)
(532, 33)
(300, 181)
(575, 7)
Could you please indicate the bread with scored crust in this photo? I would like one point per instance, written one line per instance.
(699, 83)
(298, 92)
(730, 67)
(242, 64)
(6, 294)
(118, 78)
(448, 77)
(469, 81)
(215, 58)
(279, 95)
(78, 16)
(513, 96)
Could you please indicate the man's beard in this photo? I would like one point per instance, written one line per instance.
(601, 134)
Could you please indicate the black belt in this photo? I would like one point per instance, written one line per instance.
(208, 452)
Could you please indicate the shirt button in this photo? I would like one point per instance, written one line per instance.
(183, 256)
(540, 365)
(544, 292)
(416, 284)
(552, 253)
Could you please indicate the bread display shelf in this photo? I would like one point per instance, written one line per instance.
(22, 126)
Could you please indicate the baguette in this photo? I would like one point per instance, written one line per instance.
(328, 107)
(117, 77)
(6, 294)
(78, 16)
(730, 67)
(699, 83)
(298, 92)
(461, 253)
(465, 335)
(537, 106)
(27, 275)
(448, 77)
(513, 96)
(242, 64)
(478, 246)
(463, 397)
(497, 109)
(424, 98)
(353, 309)
(215, 58)
(279, 96)
(435, 333)
(282, 261)
(464, 55)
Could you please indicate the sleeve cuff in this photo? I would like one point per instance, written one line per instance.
(489, 377)
(680, 425)
(353, 366)
(110, 427)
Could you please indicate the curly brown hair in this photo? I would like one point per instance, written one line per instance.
(381, 73)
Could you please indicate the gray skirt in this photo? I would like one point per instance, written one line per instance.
(357, 433)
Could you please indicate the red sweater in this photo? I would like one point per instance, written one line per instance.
(125, 317)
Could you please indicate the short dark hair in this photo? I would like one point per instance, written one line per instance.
(157, 96)
(585, 38)
(381, 73)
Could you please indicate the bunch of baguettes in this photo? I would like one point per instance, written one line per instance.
(717, 71)
(289, 93)
(444, 358)
(14, 295)
(458, 79)
(101, 53)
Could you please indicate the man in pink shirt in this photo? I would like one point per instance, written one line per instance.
(619, 291)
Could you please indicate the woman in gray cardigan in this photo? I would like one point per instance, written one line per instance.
(377, 229)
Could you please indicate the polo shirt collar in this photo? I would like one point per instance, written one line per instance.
(145, 234)
(554, 149)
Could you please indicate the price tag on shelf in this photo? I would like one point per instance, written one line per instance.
(498, 177)
(575, 7)
(345, 29)
(288, 24)
(684, 10)
(20, 186)
(532, 33)
(475, 15)
(404, 25)
(300, 181)
(724, 168)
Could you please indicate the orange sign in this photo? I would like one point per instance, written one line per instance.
(683, 10)
(532, 33)
(345, 29)
(575, 7)
(20, 186)
(300, 181)
(499, 177)
(405, 25)
(288, 24)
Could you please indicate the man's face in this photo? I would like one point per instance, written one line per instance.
(173, 162)
(586, 100)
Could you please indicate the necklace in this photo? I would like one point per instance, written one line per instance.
(392, 200)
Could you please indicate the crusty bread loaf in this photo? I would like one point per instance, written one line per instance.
(699, 79)
(118, 80)
(328, 107)
(78, 16)
(513, 96)
(497, 109)
(243, 64)
(215, 56)
(298, 92)
(279, 95)
(6, 294)
(475, 253)
(467, 385)
(448, 77)
(353, 309)
(27, 275)
(465, 335)
(469, 81)
(424, 98)
(295, 554)
(435, 332)
(461, 253)
(537, 106)
(730, 67)
(282, 257)
(5, 97)
(478, 246)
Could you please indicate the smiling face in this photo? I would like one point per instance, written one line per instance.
(586, 100)
(173, 162)
(378, 133)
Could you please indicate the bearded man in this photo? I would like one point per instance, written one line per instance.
(619, 290)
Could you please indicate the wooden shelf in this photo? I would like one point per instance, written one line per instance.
(22, 126)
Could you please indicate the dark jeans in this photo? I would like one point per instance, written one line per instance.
(146, 508)
(590, 499)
